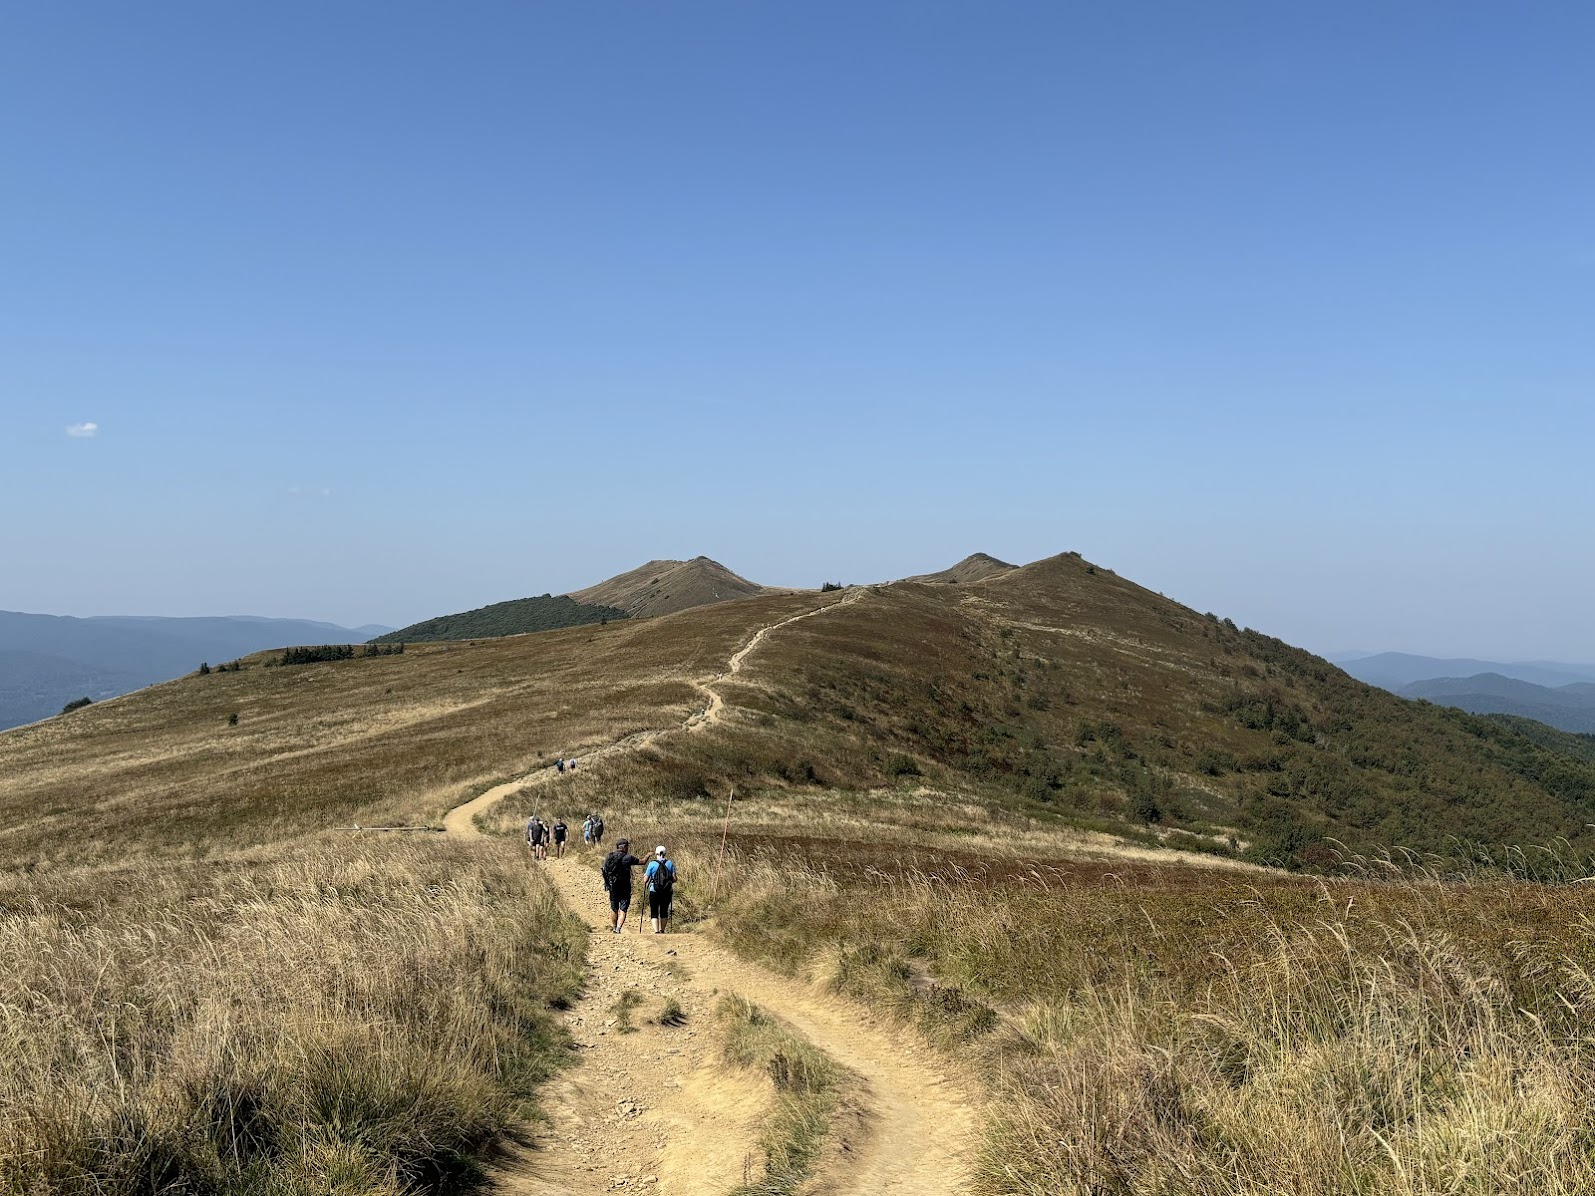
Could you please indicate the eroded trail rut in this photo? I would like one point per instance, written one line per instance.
(655, 1109)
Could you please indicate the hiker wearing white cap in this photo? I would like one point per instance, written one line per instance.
(660, 877)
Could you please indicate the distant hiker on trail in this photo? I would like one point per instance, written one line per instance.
(560, 830)
(559, 763)
(660, 877)
(598, 829)
(587, 830)
(571, 764)
(537, 836)
(617, 883)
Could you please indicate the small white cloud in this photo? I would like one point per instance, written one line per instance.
(82, 431)
(311, 491)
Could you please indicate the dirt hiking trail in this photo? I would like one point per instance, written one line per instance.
(462, 818)
(658, 1107)
(652, 1107)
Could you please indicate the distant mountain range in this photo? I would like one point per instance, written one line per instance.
(1557, 694)
(1396, 670)
(1566, 707)
(47, 661)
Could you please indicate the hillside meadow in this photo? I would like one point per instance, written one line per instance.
(1028, 813)
(339, 1016)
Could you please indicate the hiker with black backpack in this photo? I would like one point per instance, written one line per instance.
(617, 883)
(660, 879)
(598, 830)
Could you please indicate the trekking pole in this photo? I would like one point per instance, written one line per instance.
(725, 831)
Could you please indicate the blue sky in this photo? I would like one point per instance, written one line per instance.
(381, 311)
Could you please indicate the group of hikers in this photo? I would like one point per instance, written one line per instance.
(541, 835)
(659, 874)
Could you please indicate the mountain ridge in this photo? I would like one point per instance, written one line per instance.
(1569, 707)
(977, 566)
(1065, 696)
(663, 587)
(1396, 670)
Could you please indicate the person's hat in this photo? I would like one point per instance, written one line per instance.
(660, 851)
(622, 842)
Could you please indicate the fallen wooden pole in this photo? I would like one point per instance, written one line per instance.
(358, 827)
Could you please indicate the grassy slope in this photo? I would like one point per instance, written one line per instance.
(665, 587)
(394, 738)
(1062, 694)
(309, 1018)
(1134, 1059)
(1158, 1030)
(516, 617)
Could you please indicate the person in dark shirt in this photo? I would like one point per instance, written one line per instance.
(560, 831)
(617, 882)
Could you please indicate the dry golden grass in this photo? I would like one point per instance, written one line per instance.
(1165, 1031)
(350, 1017)
(212, 987)
(395, 738)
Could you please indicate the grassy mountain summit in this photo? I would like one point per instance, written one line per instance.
(1067, 693)
(516, 617)
(975, 567)
(663, 587)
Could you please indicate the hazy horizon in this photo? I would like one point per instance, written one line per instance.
(371, 315)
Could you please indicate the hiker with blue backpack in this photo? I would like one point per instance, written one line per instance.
(660, 879)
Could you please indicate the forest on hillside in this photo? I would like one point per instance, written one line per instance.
(516, 617)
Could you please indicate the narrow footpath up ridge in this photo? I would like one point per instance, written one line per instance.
(654, 1109)
(462, 818)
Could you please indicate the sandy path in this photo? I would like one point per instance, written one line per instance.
(462, 818)
(656, 1107)
(656, 1110)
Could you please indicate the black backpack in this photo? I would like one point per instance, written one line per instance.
(611, 868)
(664, 880)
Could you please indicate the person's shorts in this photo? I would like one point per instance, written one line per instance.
(620, 903)
(658, 908)
(559, 838)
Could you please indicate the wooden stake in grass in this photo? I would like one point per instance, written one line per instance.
(731, 796)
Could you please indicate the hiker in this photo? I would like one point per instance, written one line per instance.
(560, 831)
(559, 763)
(598, 830)
(571, 764)
(537, 836)
(617, 883)
(660, 878)
(587, 830)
